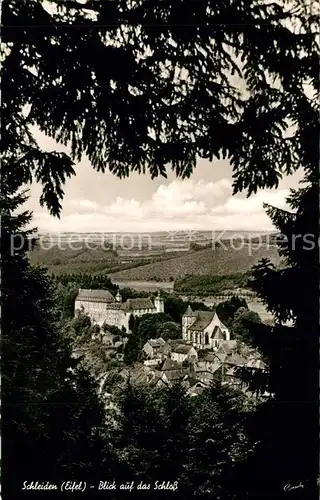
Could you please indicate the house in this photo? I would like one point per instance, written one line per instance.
(208, 367)
(170, 377)
(257, 364)
(196, 387)
(171, 372)
(103, 308)
(209, 360)
(155, 348)
(226, 347)
(203, 329)
(183, 352)
(152, 363)
(140, 375)
(169, 364)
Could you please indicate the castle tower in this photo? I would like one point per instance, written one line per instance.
(118, 297)
(159, 303)
(187, 320)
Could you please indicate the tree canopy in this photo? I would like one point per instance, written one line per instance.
(146, 86)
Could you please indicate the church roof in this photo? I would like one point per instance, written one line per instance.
(204, 318)
(95, 295)
(217, 333)
(139, 303)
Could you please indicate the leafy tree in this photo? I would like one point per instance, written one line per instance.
(199, 306)
(129, 293)
(175, 307)
(227, 310)
(198, 441)
(211, 284)
(288, 422)
(169, 330)
(218, 443)
(131, 322)
(242, 323)
(84, 280)
(66, 295)
(144, 328)
(53, 421)
(114, 330)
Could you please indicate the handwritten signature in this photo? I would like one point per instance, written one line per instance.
(290, 487)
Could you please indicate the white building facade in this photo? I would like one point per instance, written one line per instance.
(103, 308)
(203, 329)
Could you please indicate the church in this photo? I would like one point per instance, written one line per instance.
(103, 308)
(203, 329)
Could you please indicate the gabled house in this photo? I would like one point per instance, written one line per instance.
(227, 346)
(196, 387)
(208, 367)
(183, 352)
(169, 377)
(156, 348)
(170, 364)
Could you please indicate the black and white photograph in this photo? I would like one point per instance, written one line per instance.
(160, 249)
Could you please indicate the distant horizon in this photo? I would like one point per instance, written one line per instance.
(42, 233)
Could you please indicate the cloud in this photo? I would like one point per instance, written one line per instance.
(181, 204)
(85, 204)
(254, 204)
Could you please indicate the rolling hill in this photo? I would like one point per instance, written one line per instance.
(218, 261)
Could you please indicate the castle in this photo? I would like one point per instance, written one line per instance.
(103, 308)
(203, 329)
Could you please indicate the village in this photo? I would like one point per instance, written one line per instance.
(205, 354)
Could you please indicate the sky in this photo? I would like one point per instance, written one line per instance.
(96, 202)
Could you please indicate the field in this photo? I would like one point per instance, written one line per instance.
(214, 262)
(60, 260)
(158, 257)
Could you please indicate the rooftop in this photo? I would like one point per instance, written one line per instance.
(176, 374)
(203, 319)
(182, 349)
(139, 303)
(97, 295)
(169, 364)
(156, 342)
(189, 312)
(114, 305)
(227, 346)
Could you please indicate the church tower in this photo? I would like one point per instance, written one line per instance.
(187, 320)
(118, 297)
(159, 303)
